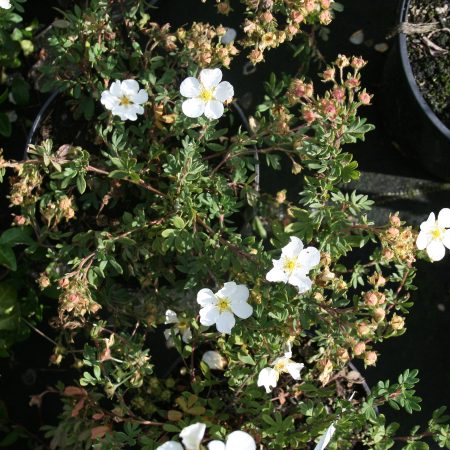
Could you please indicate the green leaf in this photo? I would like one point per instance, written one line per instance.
(16, 235)
(81, 184)
(5, 125)
(7, 257)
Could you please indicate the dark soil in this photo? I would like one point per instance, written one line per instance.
(429, 53)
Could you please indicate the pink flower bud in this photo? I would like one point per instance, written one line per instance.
(370, 358)
(359, 348)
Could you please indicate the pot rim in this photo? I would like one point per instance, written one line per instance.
(404, 57)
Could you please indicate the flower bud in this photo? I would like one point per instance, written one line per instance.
(329, 74)
(379, 314)
(43, 281)
(223, 8)
(297, 17)
(371, 299)
(19, 220)
(363, 329)
(325, 3)
(267, 16)
(358, 62)
(370, 358)
(63, 283)
(395, 220)
(214, 360)
(388, 254)
(325, 17)
(342, 61)
(325, 259)
(397, 322)
(359, 348)
(338, 93)
(393, 232)
(352, 82)
(343, 355)
(381, 298)
(309, 115)
(256, 56)
(364, 98)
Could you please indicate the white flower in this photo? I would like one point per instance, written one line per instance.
(434, 235)
(214, 360)
(191, 437)
(206, 95)
(220, 308)
(326, 438)
(125, 99)
(294, 265)
(268, 377)
(180, 326)
(5, 4)
(237, 440)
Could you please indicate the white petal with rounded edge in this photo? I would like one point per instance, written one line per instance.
(268, 378)
(301, 282)
(216, 445)
(228, 290)
(239, 440)
(293, 249)
(190, 87)
(192, 436)
(140, 97)
(116, 88)
(423, 240)
(294, 369)
(446, 239)
(138, 109)
(214, 109)
(171, 317)
(187, 336)
(169, 339)
(229, 36)
(206, 297)
(444, 218)
(210, 77)
(108, 100)
(224, 91)
(309, 257)
(209, 315)
(170, 445)
(242, 309)
(277, 274)
(436, 250)
(240, 294)
(326, 438)
(130, 87)
(194, 107)
(5, 4)
(225, 322)
(429, 223)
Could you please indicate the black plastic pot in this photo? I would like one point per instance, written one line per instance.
(408, 116)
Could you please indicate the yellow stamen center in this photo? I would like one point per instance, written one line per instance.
(437, 233)
(290, 264)
(280, 366)
(182, 325)
(206, 95)
(223, 305)
(125, 101)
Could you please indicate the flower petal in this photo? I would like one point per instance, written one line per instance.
(190, 87)
(301, 282)
(116, 88)
(239, 440)
(210, 77)
(225, 322)
(446, 239)
(224, 91)
(293, 249)
(429, 223)
(216, 445)
(228, 290)
(268, 378)
(130, 87)
(194, 107)
(192, 436)
(140, 97)
(209, 315)
(108, 100)
(242, 309)
(309, 257)
(206, 297)
(294, 369)
(170, 445)
(277, 274)
(444, 218)
(240, 294)
(187, 336)
(436, 250)
(214, 360)
(423, 240)
(171, 317)
(326, 438)
(214, 109)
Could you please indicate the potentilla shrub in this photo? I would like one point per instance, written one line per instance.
(152, 230)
